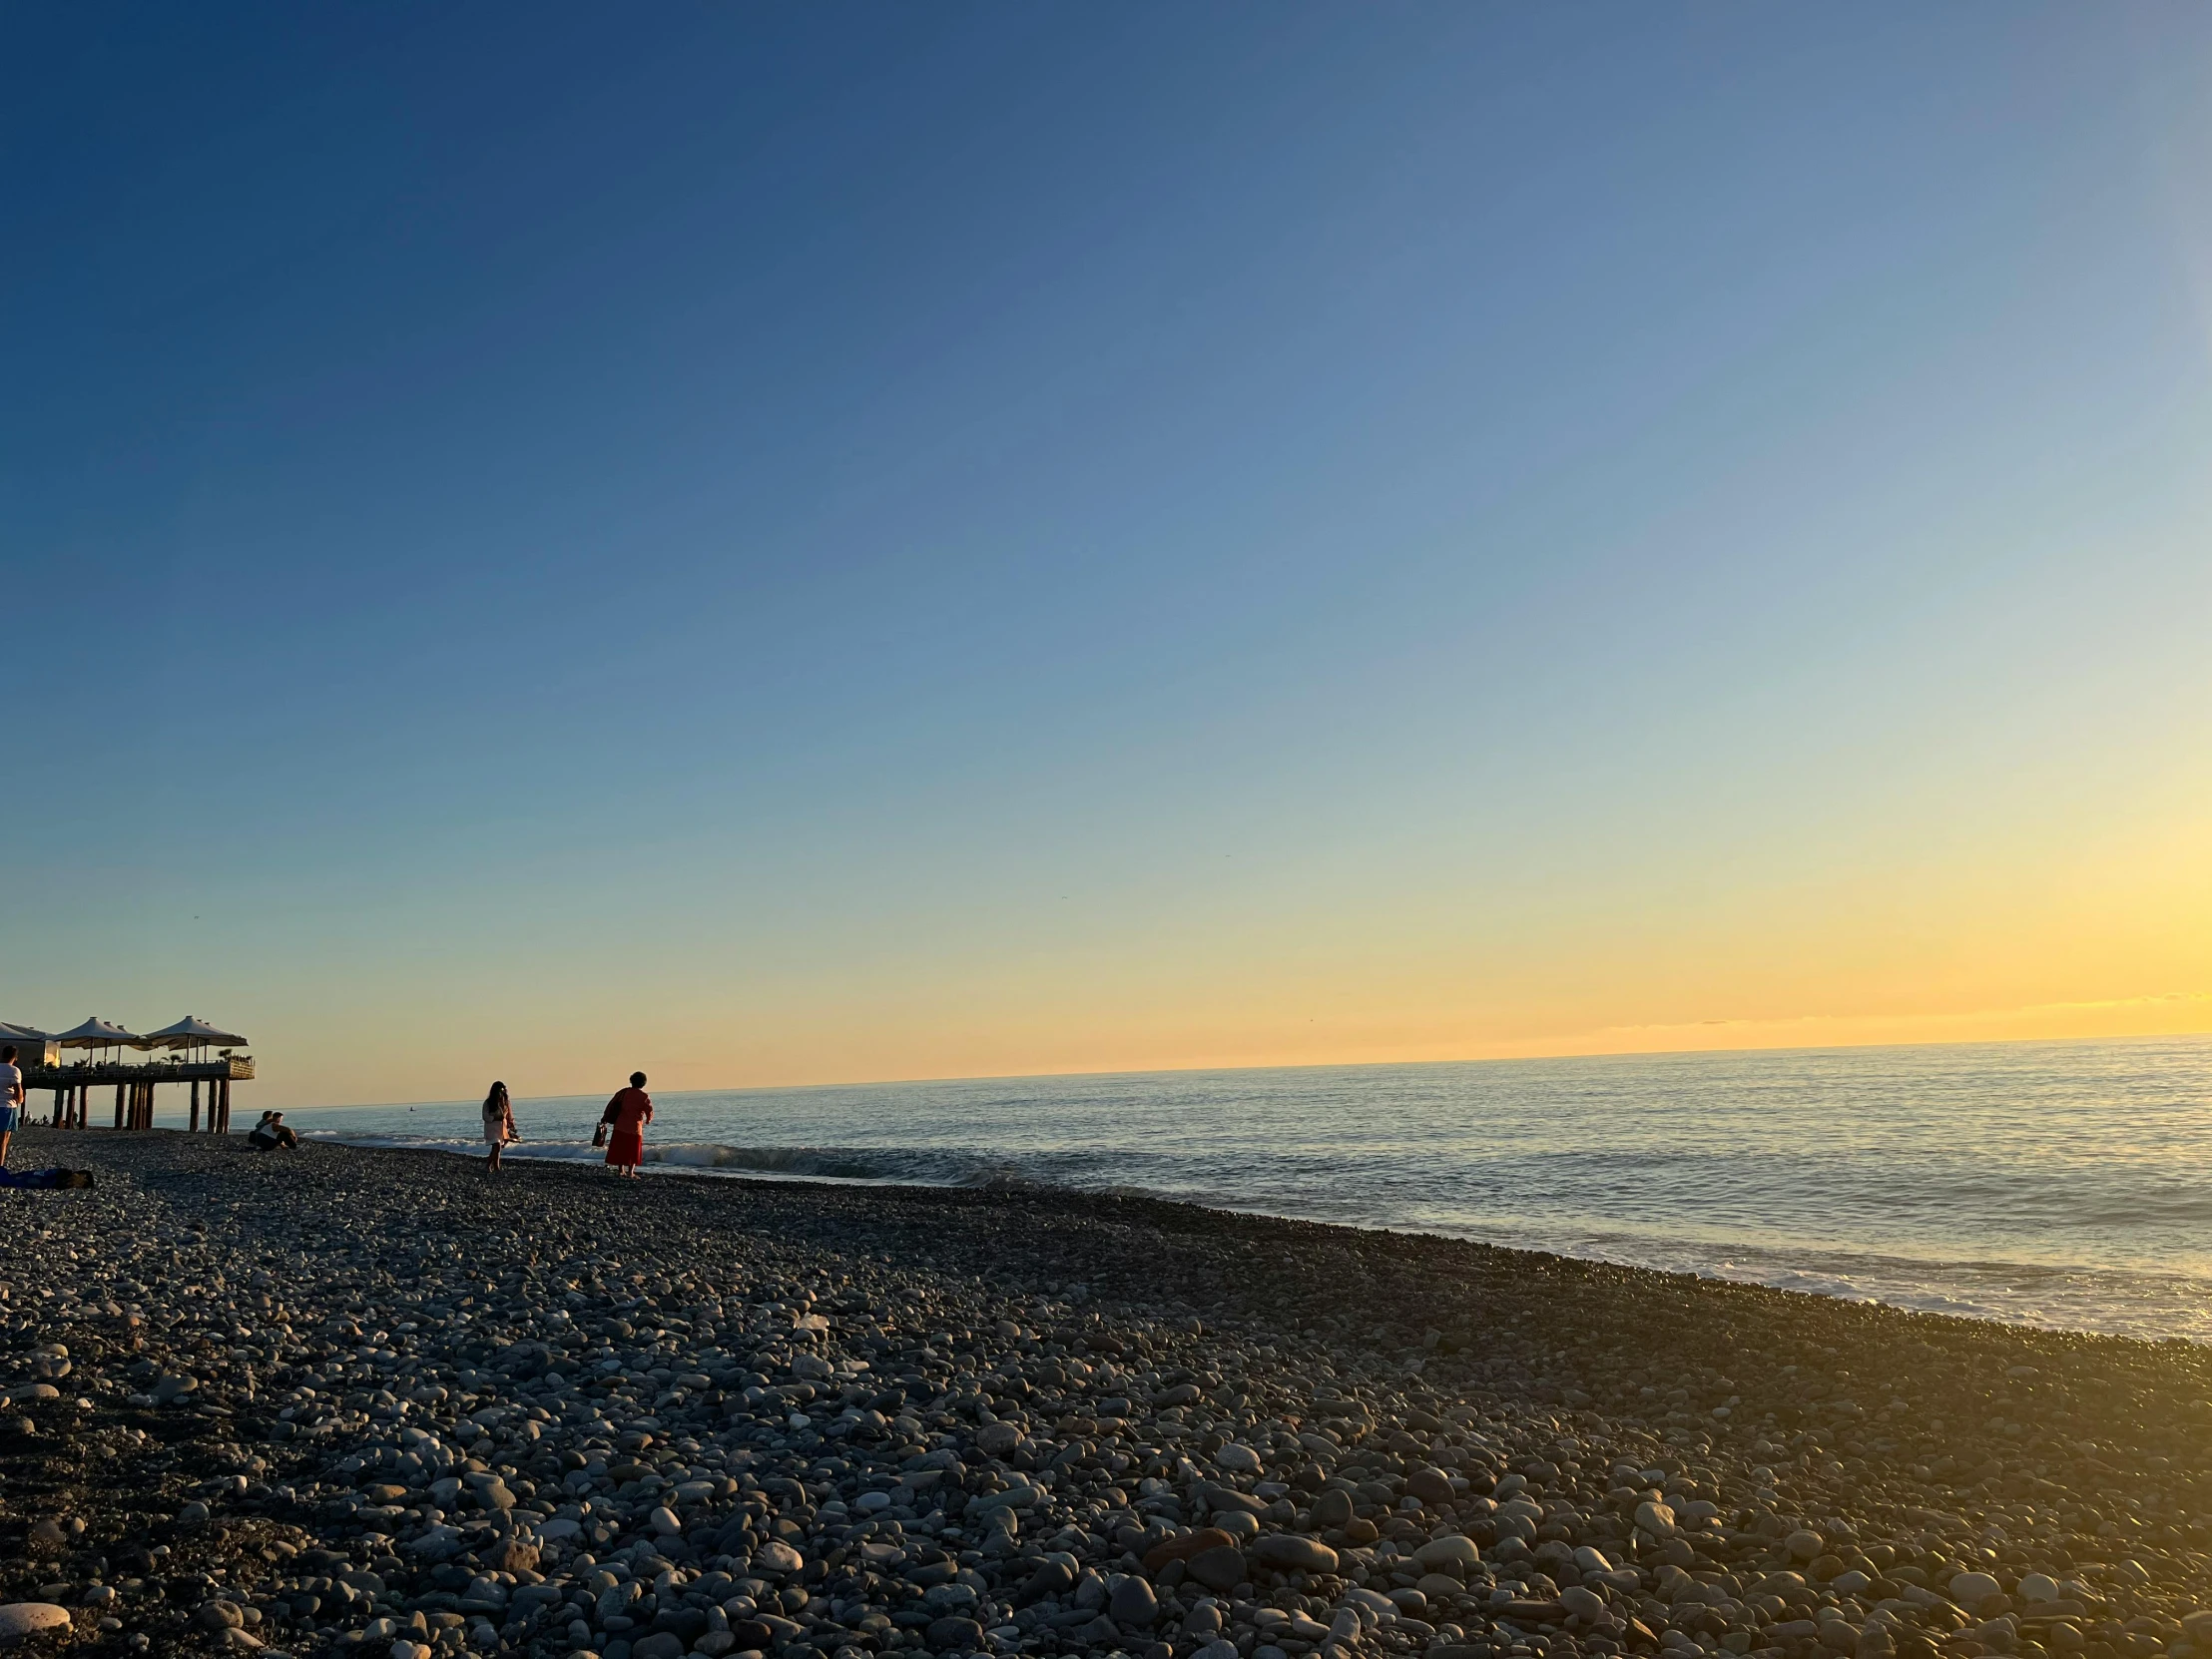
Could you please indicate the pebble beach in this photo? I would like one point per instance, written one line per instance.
(366, 1402)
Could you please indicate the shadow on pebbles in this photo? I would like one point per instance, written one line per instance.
(370, 1403)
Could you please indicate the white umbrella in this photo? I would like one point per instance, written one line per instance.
(98, 1033)
(190, 1032)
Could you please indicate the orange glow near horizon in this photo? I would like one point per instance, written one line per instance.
(2104, 936)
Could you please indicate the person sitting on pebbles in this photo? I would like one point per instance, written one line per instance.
(272, 1132)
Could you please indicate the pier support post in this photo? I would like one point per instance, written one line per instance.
(195, 1106)
(224, 1085)
(119, 1105)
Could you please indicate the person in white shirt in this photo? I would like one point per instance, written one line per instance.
(11, 1099)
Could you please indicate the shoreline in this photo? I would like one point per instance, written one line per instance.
(941, 1421)
(1814, 1268)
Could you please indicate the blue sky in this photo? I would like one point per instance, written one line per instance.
(879, 541)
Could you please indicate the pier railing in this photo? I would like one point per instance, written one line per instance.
(238, 1068)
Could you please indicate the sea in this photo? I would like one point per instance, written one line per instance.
(2065, 1184)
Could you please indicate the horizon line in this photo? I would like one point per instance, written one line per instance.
(1344, 1065)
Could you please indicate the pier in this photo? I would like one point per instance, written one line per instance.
(73, 1084)
(134, 1085)
(73, 1088)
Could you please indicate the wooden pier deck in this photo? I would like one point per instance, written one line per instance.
(134, 1086)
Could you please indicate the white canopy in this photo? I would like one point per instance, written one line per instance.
(191, 1032)
(32, 1047)
(98, 1033)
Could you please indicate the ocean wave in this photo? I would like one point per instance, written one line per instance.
(2072, 1295)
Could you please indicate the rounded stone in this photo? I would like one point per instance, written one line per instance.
(1290, 1552)
(1221, 1568)
(218, 1615)
(1972, 1589)
(1432, 1486)
(778, 1557)
(1804, 1545)
(954, 1635)
(1451, 1550)
(1131, 1603)
(1583, 1603)
(24, 1618)
(1185, 1546)
(1052, 1577)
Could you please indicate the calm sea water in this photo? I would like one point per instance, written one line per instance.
(2065, 1184)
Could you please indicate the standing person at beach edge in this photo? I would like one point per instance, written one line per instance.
(627, 1115)
(11, 1098)
(499, 1124)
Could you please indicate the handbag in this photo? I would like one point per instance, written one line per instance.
(599, 1136)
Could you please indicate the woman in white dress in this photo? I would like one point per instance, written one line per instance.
(499, 1124)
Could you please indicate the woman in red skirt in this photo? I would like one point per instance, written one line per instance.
(626, 1116)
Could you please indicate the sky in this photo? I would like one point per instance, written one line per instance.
(780, 545)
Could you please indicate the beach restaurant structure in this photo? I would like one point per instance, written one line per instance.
(185, 1046)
